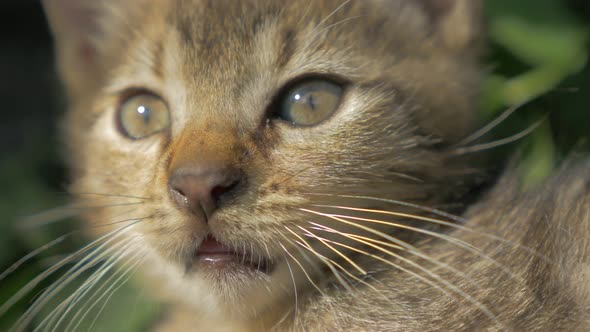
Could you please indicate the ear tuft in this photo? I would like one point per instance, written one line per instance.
(458, 23)
(75, 27)
(84, 32)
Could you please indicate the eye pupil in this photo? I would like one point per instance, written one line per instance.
(146, 113)
(311, 102)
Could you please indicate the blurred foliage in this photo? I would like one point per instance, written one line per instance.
(540, 57)
(537, 62)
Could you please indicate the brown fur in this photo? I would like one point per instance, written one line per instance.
(413, 75)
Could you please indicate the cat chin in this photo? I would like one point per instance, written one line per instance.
(233, 292)
(224, 287)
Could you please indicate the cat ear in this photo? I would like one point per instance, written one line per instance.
(458, 23)
(83, 31)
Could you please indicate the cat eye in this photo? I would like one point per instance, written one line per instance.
(143, 115)
(310, 102)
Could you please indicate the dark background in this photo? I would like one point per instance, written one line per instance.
(30, 167)
(33, 178)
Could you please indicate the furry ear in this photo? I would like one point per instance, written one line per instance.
(458, 23)
(84, 31)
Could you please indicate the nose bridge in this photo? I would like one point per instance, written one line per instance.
(204, 169)
(210, 144)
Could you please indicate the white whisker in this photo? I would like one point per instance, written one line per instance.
(63, 213)
(300, 265)
(304, 244)
(446, 224)
(294, 290)
(61, 311)
(454, 241)
(454, 218)
(26, 318)
(79, 294)
(368, 229)
(108, 195)
(373, 244)
(433, 275)
(350, 261)
(33, 254)
(487, 146)
(492, 124)
(373, 288)
(129, 272)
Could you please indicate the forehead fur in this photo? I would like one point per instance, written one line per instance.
(222, 34)
(223, 49)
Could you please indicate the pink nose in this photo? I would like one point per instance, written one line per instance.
(201, 189)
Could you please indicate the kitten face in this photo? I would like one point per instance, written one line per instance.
(221, 171)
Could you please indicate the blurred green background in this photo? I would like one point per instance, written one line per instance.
(538, 57)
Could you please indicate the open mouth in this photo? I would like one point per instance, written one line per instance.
(214, 254)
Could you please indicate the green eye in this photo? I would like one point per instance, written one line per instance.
(310, 102)
(143, 115)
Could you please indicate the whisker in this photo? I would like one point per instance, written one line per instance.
(130, 274)
(433, 275)
(419, 254)
(383, 243)
(401, 203)
(399, 214)
(294, 290)
(459, 243)
(405, 176)
(350, 261)
(343, 269)
(46, 217)
(108, 195)
(419, 277)
(455, 218)
(368, 229)
(411, 216)
(487, 146)
(57, 241)
(299, 247)
(33, 254)
(134, 262)
(492, 124)
(114, 223)
(322, 258)
(301, 266)
(63, 309)
(63, 213)
(334, 267)
(81, 267)
(34, 282)
(47, 295)
(266, 250)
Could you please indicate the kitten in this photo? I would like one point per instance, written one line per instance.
(290, 162)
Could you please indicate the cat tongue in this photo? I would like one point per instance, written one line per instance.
(210, 246)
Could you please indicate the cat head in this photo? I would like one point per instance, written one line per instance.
(251, 126)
